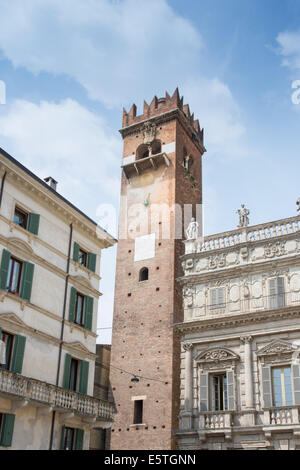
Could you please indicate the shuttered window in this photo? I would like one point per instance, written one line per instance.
(72, 439)
(28, 221)
(217, 298)
(16, 276)
(81, 309)
(282, 386)
(75, 375)
(7, 422)
(88, 260)
(277, 292)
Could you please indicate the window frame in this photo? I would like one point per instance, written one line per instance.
(85, 254)
(66, 431)
(217, 305)
(76, 375)
(144, 271)
(283, 384)
(10, 275)
(212, 403)
(23, 212)
(138, 413)
(7, 365)
(82, 314)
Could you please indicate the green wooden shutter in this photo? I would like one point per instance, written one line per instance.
(296, 383)
(91, 264)
(84, 376)
(72, 305)
(67, 371)
(88, 317)
(7, 430)
(76, 249)
(230, 389)
(18, 354)
(33, 223)
(204, 391)
(79, 439)
(4, 269)
(26, 284)
(62, 439)
(267, 386)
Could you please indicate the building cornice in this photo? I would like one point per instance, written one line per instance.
(237, 320)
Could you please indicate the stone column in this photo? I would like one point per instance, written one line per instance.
(188, 390)
(247, 340)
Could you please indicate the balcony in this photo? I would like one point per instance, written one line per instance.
(255, 233)
(25, 391)
(138, 167)
(226, 423)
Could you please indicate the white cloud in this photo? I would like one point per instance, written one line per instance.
(219, 114)
(289, 42)
(68, 142)
(115, 49)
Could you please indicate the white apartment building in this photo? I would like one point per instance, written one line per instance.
(240, 358)
(49, 288)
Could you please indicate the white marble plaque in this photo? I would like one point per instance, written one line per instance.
(144, 247)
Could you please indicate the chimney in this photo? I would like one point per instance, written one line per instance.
(51, 182)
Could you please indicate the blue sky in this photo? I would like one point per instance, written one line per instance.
(69, 67)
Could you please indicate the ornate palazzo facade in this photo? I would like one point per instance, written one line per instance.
(240, 355)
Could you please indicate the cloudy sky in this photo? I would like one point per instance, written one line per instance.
(69, 66)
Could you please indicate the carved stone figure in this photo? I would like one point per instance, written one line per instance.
(298, 204)
(243, 215)
(192, 230)
(149, 133)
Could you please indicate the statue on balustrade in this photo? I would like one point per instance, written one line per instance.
(243, 215)
(192, 230)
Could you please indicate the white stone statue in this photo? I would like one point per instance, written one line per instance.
(298, 204)
(192, 230)
(243, 214)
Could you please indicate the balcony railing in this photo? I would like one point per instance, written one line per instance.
(19, 387)
(254, 233)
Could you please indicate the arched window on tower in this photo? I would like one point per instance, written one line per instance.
(156, 147)
(142, 151)
(144, 275)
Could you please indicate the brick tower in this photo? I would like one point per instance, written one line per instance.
(161, 172)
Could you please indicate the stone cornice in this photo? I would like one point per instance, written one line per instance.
(234, 321)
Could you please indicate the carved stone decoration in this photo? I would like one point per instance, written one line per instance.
(149, 132)
(298, 204)
(216, 356)
(188, 297)
(192, 230)
(276, 348)
(243, 216)
(275, 249)
(187, 346)
(246, 339)
(218, 261)
(244, 253)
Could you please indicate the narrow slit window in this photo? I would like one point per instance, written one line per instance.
(138, 412)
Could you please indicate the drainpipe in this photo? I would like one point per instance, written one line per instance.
(2, 187)
(62, 331)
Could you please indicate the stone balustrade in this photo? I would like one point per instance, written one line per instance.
(267, 231)
(19, 387)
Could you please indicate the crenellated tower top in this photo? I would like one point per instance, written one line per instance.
(161, 106)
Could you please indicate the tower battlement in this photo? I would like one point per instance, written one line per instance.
(160, 106)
